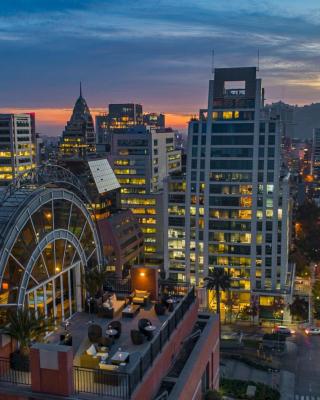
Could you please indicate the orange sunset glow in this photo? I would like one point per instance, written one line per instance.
(58, 117)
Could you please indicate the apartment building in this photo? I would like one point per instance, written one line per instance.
(16, 146)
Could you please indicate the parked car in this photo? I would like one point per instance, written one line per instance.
(312, 331)
(284, 330)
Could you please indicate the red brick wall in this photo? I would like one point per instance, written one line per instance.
(5, 350)
(11, 397)
(58, 381)
(150, 385)
(209, 352)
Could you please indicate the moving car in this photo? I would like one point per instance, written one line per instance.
(312, 331)
(284, 330)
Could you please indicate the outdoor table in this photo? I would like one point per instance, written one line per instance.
(150, 329)
(111, 332)
(120, 357)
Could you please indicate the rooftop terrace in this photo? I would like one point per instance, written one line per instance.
(121, 382)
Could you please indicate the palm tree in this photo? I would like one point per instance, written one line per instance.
(24, 326)
(94, 280)
(218, 280)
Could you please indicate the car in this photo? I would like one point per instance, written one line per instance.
(284, 330)
(312, 331)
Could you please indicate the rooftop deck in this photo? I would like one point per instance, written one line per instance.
(80, 323)
(126, 377)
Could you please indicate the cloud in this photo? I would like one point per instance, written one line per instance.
(156, 52)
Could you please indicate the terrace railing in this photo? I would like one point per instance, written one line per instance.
(101, 383)
(122, 384)
(160, 340)
(9, 375)
(118, 285)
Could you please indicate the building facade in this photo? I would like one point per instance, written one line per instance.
(16, 146)
(315, 158)
(48, 238)
(237, 208)
(141, 158)
(78, 138)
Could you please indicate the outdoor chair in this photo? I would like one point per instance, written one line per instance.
(94, 333)
(117, 326)
(143, 322)
(159, 309)
(136, 337)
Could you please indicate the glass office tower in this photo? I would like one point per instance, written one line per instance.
(237, 196)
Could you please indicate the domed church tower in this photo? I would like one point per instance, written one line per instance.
(78, 137)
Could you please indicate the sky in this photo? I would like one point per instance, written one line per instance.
(154, 52)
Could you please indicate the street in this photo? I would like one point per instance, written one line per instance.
(303, 360)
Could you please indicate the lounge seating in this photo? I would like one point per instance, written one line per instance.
(91, 357)
(117, 326)
(140, 297)
(111, 307)
(136, 337)
(159, 309)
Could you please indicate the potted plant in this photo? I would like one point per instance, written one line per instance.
(24, 326)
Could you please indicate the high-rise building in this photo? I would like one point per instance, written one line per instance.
(125, 115)
(16, 146)
(154, 119)
(141, 158)
(78, 137)
(237, 206)
(315, 162)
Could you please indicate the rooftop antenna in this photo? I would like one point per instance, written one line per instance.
(212, 62)
(258, 68)
(80, 89)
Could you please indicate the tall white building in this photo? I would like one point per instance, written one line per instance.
(237, 203)
(16, 146)
(141, 157)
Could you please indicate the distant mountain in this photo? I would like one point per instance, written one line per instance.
(305, 119)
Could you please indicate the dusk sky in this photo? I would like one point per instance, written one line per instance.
(157, 53)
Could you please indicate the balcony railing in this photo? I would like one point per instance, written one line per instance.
(122, 384)
(9, 375)
(101, 383)
(118, 285)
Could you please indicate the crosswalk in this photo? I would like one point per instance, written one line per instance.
(306, 397)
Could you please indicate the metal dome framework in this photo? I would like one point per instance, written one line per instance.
(48, 236)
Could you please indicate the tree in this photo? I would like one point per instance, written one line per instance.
(299, 308)
(218, 280)
(231, 301)
(302, 262)
(251, 310)
(316, 299)
(24, 326)
(94, 280)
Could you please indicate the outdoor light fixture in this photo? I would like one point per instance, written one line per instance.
(142, 274)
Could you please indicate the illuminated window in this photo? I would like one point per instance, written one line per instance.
(245, 201)
(245, 214)
(227, 115)
(269, 213)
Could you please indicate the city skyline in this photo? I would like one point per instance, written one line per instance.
(156, 54)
